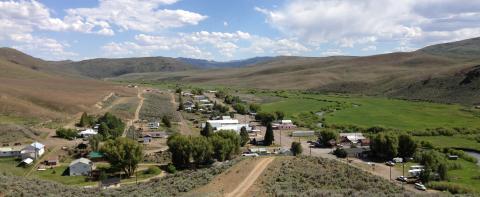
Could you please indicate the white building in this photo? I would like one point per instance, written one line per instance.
(87, 133)
(34, 151)
(227, 124)
(303, 133)
(81, 166)
(10, 151)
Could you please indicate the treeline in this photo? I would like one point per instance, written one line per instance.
(110, 127)
(237, 104)
(188, 151)
(269, 117)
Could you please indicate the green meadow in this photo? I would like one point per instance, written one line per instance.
(372, 111)
(456, 141)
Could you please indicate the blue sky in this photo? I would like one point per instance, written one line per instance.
(227, 30)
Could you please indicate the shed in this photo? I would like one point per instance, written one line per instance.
(303, 133)
(52, 161)
(82, 166)
(34, 151)
(95, 155)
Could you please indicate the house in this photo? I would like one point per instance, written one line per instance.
(34, 151)
(153, 125)
(87, 133)
(10, 151)
(284, 125)
(220, 123)
(147, 138)
(82, 166)
(110, 183)
(199, 97)
(364, 142)
(303, 133)
(52, 161)
(351, 138)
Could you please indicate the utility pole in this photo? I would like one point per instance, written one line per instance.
(310, 149)
(390, 172)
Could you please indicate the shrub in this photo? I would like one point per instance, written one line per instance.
(153, 170)
(171, 169)
(340, 153)
(296, 148)
(450, 187)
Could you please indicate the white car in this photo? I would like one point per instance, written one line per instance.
(250, 155)
(420, 186)
(402, 179)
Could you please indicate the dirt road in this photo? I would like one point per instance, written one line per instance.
(251, 178)
(183, 124)
(137, 112)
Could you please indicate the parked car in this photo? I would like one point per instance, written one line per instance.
(250, 155)
(402, 179)
(420, 186)
(389, 163)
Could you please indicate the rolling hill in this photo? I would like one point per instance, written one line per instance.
(434, 73)
(31, 88)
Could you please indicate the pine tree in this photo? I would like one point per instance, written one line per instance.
(207, 131)
(269, 138)
(244, 136)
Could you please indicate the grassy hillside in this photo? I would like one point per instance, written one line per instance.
(28, 90)
(311, 176)
(400, 75)
(103, 68)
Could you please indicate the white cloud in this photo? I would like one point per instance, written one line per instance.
(345, 22)
(369, 48)
(43, 47)
(206, 45)
(140, 15)
(225, 23)
(332, 52)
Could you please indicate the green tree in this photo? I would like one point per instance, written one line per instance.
(181, 149)
(180, 101)
(326, 135)
(123, 154)
(406, 146)
(104, 130)
(265, 117)
(254, 107)
(280, 115)
(269, 138)
(94, 142)
(442, 171)
(114, 124)
(296, 148)
(69, 134)
(178, 90)
(244, 136)
(202, 150)
(384, 146)
(85, 120)
(340, 153)
(207, 131)
(240, 108)
(166, 121)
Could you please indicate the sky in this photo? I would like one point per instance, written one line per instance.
(225, 30)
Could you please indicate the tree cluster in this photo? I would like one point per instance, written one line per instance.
(86, 120)
(69, 134)
(296, 148)
(269, 137)
(123, 154)
(110, 126)
(240, 108)
(166, 121)
(188, 150)
(326, 135)
(229, 99)
(387, 146)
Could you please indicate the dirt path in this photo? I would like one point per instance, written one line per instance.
(183, 124)
(137, 112)
(251, 178)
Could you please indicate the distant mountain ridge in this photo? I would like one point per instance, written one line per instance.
(201, 63)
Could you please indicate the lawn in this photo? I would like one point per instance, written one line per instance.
(294, 106)
(469, 175)
(57, 174)
(455, 141)
(373, 111)
(9, 166)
